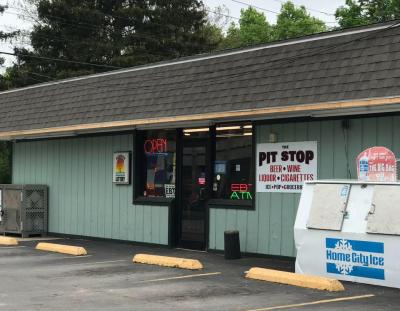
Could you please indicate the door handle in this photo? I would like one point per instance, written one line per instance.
(371, 211)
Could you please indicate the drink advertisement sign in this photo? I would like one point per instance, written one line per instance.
(284, 167)
(121, 168)
(377, 164)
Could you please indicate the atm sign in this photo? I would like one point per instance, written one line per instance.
(241, 192)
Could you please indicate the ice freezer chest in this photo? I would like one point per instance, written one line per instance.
(349, 230)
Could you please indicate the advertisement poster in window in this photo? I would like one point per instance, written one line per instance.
(158, 164)
(377, 164)
(121, 168)
(284, 167)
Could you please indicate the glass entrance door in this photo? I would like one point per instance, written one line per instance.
(194, 190)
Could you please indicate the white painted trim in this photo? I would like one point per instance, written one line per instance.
(322, 36)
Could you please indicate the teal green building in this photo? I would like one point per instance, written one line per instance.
(171, 153)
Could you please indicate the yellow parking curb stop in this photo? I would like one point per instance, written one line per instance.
(302, 280)
(64, 249)
(7, 241)
(173, 262)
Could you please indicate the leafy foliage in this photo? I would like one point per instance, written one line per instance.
(254, 28)
(295, 22)
(364, 12)
(5, 148)
(116, 33)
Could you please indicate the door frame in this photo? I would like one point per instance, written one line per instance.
(177, 214)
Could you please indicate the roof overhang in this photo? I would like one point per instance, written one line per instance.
(317, 110)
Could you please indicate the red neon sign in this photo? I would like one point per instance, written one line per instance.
(156, 145)
(241, 192)
(240, 187)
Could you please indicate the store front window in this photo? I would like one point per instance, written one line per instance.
(227, 174)
(159, 164)
(233, 165)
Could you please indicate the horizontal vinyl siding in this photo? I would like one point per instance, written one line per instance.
(82, 197)
(269, 229)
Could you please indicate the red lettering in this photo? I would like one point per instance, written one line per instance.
(267, 177)
(293, 168)
(235, 187)
(243, 187)
(240, 187)
(275, 168)
(156, 145)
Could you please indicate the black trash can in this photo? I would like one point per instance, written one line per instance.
(232, 245)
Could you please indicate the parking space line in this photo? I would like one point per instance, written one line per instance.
(180, 277)
(318, 302)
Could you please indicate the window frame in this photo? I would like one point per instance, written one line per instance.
(216, 203)
(138, 174)
(226, 203)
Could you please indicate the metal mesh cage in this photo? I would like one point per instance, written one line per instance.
(25, 209)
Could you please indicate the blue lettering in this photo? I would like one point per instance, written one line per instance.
(360, 258)
(377, 261)
(331, 255)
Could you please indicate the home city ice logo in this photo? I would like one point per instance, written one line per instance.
(355, 258)
(344, 247)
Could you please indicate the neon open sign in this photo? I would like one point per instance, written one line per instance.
(241, 192)
(156, 145)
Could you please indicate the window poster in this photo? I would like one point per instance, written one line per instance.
(284, 167)
(169, 191)
(160, 165)
(121, 168)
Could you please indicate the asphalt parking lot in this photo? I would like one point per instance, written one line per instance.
(107, 279)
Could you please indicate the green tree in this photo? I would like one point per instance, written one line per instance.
(117, 33)
(295, 22)
(5, 148)
(5, 36)
(254, 28)
(363, 12)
